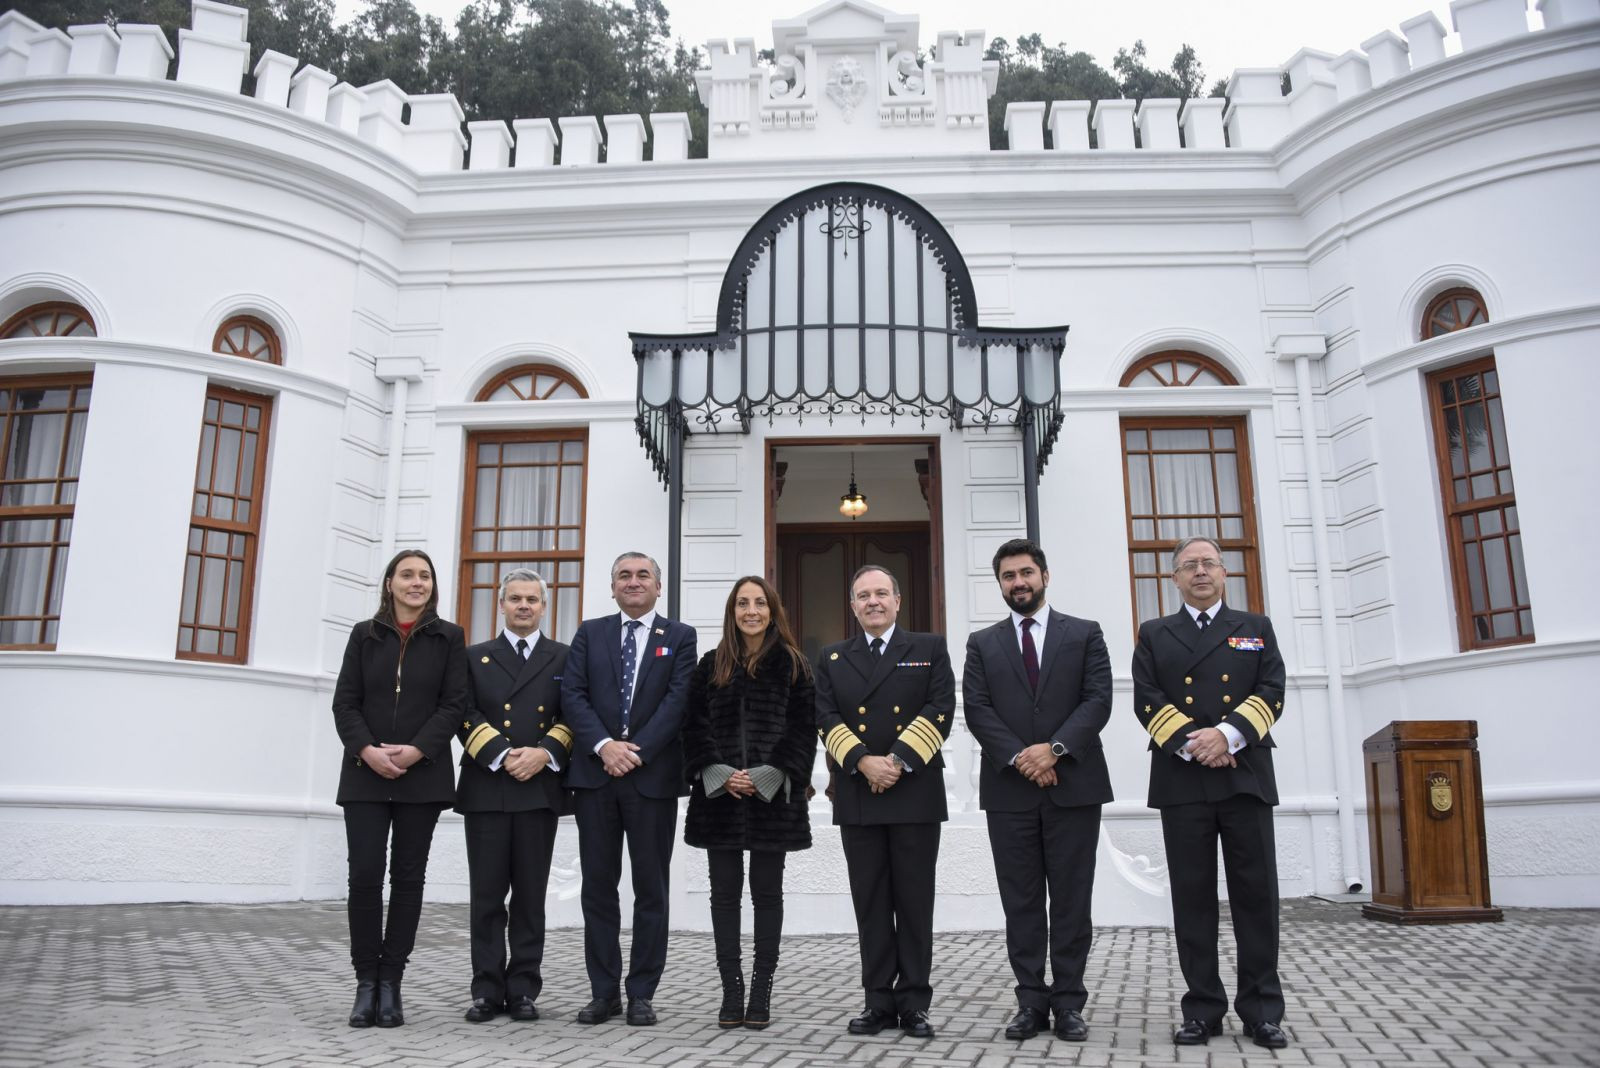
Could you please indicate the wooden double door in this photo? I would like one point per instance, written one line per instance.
(815, 562)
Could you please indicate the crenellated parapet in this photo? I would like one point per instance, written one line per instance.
(847, 79)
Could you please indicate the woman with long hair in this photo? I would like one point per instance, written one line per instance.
(401, 692)
(749, 739)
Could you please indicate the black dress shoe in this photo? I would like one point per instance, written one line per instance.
(1196, 1032)
(600, 1010)
(1266, 1034)
(1026, 1023)
(916, 1025)
(483, 1010)
(1070, 1026)
(365, 1011)
(640, 1012)
(872, 1021)
(522, 1008)
(389, 1011)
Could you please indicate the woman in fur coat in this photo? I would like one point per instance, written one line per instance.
(749, 740)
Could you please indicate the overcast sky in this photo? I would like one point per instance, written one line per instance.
(1226, 33)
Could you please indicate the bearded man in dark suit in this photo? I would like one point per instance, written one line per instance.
(510, 797)
(1208, 686)
(885, 699)
(1036, 693)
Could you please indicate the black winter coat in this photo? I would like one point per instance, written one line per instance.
(418, 700)
(750, 721)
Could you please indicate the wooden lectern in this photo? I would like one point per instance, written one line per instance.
(1430, 862)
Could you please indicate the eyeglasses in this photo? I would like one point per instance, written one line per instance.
(1189, 567)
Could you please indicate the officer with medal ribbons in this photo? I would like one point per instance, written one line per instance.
(1208, 688)
(885, 701)
(510, 796)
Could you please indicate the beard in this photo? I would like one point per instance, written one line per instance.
(1026, 602)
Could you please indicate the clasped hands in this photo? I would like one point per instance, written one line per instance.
(739, 784)
(1209, 746)
(526, 761)
(388, 760)
(881, 772)
(1038, 764)
(619, 758)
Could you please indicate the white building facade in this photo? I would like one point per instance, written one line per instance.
(253, 344)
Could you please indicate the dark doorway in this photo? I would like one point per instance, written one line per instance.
(815, 562)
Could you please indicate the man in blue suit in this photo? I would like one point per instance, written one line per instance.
(623, 694)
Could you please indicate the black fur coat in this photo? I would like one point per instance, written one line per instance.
(750, 721)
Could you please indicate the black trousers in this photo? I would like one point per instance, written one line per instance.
(508, 851)
(1048, 849)
(606, 816)
(726, 868)
(891, 885)
(1249, 856)
(405, 833)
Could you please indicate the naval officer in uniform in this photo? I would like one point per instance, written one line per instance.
(885, 701)
(1208, 685)
(510, 797)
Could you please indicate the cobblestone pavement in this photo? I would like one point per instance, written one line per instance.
(179, 985)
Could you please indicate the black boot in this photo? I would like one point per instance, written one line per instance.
(759, 1013)
(732, 1011)
(365, 1012)
(389, 1011)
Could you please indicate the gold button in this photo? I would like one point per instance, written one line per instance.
(541, 726)
(508, 706)
(833, 656)
(862, 727)
(897, 726)
(1224, 678)
(1188, 700)
(862, 710)
(485, 660)
(541, 708)
(508, 723)
(1227, 700)
(897, 710)
(1187, 680)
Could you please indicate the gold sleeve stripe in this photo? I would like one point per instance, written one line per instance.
(1165, 723)
(479, 737)
(840, 742)
(923, 737)
(561, 734)
(1258, 715)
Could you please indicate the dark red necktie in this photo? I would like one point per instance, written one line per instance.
(1030, 654)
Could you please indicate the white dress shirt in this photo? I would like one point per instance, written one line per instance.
(641, 638)
(1236, 740)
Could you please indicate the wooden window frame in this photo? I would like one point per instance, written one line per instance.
(274, 345)
(504, 377)
(60, 548)
(1170, 357)
(1430, 329)
(1453, 512)
(1248, 546)
(58, 307)
(250, 530)
(470, 557)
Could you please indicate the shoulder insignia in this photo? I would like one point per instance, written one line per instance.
(1147, 708)
(485, 660)
(833, 656)
(941, 717)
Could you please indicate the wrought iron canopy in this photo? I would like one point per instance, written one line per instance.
(847, 300)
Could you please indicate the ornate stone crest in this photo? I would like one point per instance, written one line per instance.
(846, 85)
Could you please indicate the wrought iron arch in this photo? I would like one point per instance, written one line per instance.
(847, 300)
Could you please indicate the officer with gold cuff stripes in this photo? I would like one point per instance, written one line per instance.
(885, 701)
(1208, 686)
(510, 796)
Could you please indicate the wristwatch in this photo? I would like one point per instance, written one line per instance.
(1058, 749)
(899, 762)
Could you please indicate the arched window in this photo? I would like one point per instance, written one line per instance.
(1476, 487)
(1454, 309)
(1177, 367)
(532, 382)
(53, 319)
(247, 336)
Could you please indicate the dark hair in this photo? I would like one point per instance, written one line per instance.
(731, 655)
(850, 593)
(386, 599)
(1020, 547)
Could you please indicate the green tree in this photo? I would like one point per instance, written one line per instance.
(1033, 70)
